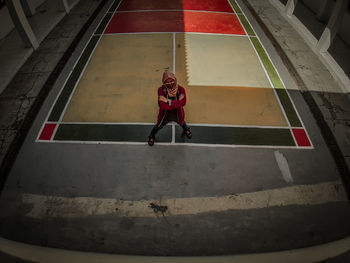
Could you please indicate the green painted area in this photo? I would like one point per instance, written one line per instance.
(235, 6)
(103, 24)
(288, 108)
(236, 136)
(109, 132)
(277, 83)
(114, 6)
(246, 25)
(267, 63)
(72, 80)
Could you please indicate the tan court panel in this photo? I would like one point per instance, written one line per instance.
(227, 105)
(223, 60)
(121, 80)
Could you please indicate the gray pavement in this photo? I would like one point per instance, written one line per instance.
(134, 173)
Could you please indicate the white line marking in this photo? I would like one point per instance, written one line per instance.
(192, 124)
(295, 108)
(174, 10)
(43, 206)
(283, 166)
(116, 7)
(181, 144)
(173, 133)
(70, 73)
(271, 83)
(76, 84)
(81, 75)
(110, 123)
(154, 33)
(238, 126)
(174, 52)
(263, 66)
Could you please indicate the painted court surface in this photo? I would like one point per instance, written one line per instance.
(235, 95)
(255, 177)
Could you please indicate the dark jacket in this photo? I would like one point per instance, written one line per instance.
(175, 104)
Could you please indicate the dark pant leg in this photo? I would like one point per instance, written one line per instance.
(185, 127)
(156, 128)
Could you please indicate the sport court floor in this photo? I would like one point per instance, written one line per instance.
(255, 177)
(235, 96)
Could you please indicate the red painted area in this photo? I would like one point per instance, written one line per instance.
(175, 21)
(201, 5)
(146, 22)
(47, 132)
(301, 137)
(212, 23)
(208, 5)
(128, 5)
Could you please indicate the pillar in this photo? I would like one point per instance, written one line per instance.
(290, 7)
(332, 27)
(21, 23)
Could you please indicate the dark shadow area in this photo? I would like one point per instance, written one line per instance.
(343, 258)
(204, 234)
(26, 124)
(309, 19)
(340, 51)
(10, 259)
(284, 2)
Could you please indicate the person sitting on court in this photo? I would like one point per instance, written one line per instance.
(171, 100)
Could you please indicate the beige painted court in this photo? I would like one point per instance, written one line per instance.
(223, 77)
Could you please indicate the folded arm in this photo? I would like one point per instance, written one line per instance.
(163, 103)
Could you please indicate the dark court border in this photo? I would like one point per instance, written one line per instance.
(17, 142)
(278, 86)
(237, 136)
(109, 133)
(203, 134)
(68, 88)
(326, 132)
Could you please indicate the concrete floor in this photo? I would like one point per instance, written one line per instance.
(223, 200)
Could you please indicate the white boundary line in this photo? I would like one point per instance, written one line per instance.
(82, 72)
(116, 8)
(173, 10)
(172, 133)
(192, 124)
(85, 66)
(293, 104)
(174, 71)
(154, 33)
(174, 53)
(267, 75)
(271, 83)
(65, 81)
(181, 144)
(263, 67)
(274, 89)
(77, 82)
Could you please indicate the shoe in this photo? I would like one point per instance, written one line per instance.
(188, 134)
(151, 140)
